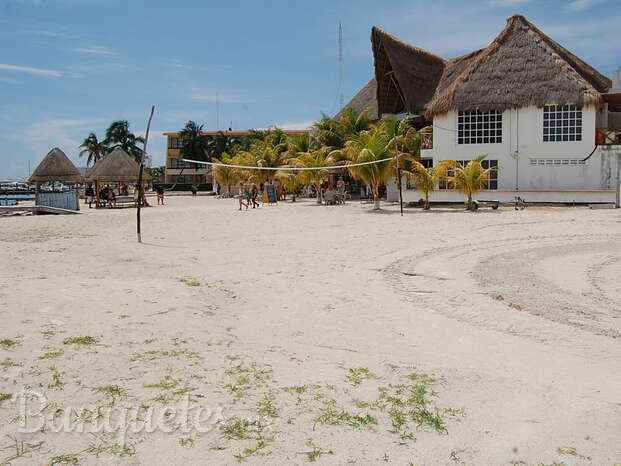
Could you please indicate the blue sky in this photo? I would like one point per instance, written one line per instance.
(68, 67)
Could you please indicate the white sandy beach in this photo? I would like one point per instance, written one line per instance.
(314, 312)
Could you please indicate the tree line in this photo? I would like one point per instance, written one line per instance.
(349, 139)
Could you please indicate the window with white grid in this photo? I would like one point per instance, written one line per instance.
(562, 123)
(477, 127)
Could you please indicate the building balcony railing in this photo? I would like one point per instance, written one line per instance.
(426, 141)
(608, 136)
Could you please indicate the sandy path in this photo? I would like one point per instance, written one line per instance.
(516, 314)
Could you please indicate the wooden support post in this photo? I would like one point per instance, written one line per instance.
(618, 194)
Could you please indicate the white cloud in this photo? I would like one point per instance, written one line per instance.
(156, 146)
(583, 4)
(304, 124)
(99, 50)
(31, 70)
(209, 95)
(54, 34)
(67, 134)
(508, 3)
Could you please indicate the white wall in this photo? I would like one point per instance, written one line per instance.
(522, 140)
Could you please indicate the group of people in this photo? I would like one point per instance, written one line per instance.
(107, 195)
(248, 195)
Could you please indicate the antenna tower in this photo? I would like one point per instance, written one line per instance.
(340, 88)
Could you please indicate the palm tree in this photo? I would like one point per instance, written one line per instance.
(266, 153)
(94, 148)
(316, 159)
(329, 133)
(119, 135)
(370, 146)
(291, 182)
(405, 142)
(226, 176)
(352, 122)
(468, 179)
(425, 179)
(195, 144)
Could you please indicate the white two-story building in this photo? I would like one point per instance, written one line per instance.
(548, 123)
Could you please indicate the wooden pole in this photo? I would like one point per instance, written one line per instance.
(140, 173)
(400, 187)
(618, 197)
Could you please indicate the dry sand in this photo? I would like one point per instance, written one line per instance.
(260, 316)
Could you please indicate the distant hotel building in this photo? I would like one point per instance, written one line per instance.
(181, 172)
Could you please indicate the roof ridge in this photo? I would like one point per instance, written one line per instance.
(442, 101)
(411, 47)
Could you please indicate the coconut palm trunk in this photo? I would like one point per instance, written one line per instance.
(376, 197)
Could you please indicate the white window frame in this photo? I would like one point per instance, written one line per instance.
(464, 117)
(568, 118)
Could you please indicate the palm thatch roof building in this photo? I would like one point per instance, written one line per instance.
(525, 100)
(365, 98)
(521, 67)
(56, 166)
(116, 167)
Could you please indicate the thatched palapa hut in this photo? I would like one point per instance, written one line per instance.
(56, 166)
(115, 167)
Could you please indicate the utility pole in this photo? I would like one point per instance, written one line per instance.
(217, 111)
(341, 100)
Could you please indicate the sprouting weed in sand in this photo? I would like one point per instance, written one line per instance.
(331, 414)
(266, 406)
(64, 459)
(148, 341)
(166, 383)
(360, 404)
(51, 354)
(111, 448)
(57, 376)
(454, 456)
(571, 451)
(81, 341)
(113, 392)
(355, 376)
(238, 428)
(245, 376)
(4, 397)
(189, 281)
(247, 452)
(186, 441)
(156, 354)
(8, 362)
(315, 453)
(8, 343)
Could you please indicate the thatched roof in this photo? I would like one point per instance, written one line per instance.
(521, 67)
(56, 166)
(365, 98)
(117, 166)
(406, 76)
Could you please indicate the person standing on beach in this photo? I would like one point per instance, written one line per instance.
(160, 194)
(89, 194)
(243, 196)
(254, 194)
